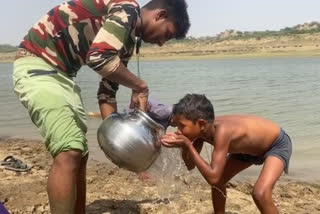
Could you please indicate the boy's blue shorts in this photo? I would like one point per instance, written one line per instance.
(281, 148)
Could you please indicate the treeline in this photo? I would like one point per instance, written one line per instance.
(306, 28)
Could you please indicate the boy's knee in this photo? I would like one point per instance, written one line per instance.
(222, 182)
(261, 194)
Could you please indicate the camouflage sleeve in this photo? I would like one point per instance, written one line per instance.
(107, 91)
(109, 43)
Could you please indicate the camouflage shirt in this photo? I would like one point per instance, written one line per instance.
(99, 33)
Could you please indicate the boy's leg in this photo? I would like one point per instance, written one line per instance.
(80, 206)
(232, 168)
(262, 191)
(62, 182)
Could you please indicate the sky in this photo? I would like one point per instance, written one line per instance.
(208, 17)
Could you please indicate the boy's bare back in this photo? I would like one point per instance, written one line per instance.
(247, 134)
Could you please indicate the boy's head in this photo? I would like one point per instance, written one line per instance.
(192, 115)
(163, 20)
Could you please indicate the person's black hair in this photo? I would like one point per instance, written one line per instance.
(178, 10)
(194, 107)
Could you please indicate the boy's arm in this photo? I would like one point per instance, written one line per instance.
(197, 144)
(212, 172)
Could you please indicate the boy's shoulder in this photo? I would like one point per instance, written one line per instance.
(238, 126)
(239, 119)
(230, 124)
(227, 121)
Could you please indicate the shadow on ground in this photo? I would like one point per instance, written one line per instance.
(116, 206)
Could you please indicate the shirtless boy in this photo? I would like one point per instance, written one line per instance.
(239, 141)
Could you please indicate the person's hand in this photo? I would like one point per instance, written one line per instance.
(139, 100)
(172, 140)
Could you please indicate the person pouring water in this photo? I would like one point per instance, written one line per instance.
(168, 20)
(102, 35)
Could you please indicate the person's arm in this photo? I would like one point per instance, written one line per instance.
(197, 144)
(107, 97)
(110, 44)
(107, 108)
(140, 91)
(124, 77)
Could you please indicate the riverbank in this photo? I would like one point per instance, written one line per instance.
(9, 57)
(113, 190)
(300, 45)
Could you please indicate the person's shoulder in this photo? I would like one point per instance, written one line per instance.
(125, 3)
(127, 10)
(237, 119)
(224, 127)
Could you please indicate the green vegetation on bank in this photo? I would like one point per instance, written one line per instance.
(7, 48)
(306, 28)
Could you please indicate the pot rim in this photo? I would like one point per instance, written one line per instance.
(148, 119)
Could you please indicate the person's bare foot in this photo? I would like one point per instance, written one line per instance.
(144, 176)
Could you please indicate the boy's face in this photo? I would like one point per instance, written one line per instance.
(187, 127)
(160, 28)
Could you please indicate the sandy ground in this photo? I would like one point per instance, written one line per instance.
(113, 190)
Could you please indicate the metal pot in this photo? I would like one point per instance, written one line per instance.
(131, 141)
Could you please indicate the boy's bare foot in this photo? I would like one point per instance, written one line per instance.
(144, 176)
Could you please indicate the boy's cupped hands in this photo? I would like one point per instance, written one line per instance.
(175, 139)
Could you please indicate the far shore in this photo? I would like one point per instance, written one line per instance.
(273, 47)
(296, 45)
(253, 55)
(9, 57)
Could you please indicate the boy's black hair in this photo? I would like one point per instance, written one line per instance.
(178, 10)
(194, 107)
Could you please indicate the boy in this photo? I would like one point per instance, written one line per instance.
(98, 33)
(239, 141)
